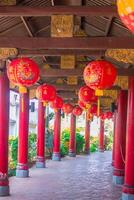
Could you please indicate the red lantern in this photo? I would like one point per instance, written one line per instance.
(86, 94)
(103, 116)
(57, 103)
(100, 74)
(126, 13)
(84, 106)
(77, 111)
(93, 109)
(46, 93)
(109, 115)
(67, 108)
(23, 72)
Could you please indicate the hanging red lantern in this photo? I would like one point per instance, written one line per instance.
(57, 103)
(77, 111)
(109, 115)
(46, 93)
(103, 116)
(100, 74)
(93, 109)
(83, 105)
(67, 108)
(126, 13)
(23, 72)
(86, 94)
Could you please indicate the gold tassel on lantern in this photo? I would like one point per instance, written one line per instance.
(98, 93)
(45, 103)
(22, 89)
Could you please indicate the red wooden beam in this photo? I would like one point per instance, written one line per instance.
(25, 11)
(87, 43)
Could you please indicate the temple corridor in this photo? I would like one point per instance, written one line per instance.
(80, 178)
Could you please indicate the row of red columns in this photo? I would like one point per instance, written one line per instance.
(22, 166)
(123, 146)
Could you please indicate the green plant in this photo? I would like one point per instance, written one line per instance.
(79, 143)
(32, 146)
(93, 144)
(13, 149)
(65, 142)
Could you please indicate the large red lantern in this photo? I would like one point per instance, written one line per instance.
(83, 105)
(23, 72)
(46, 93)
(67, 108)
(100, 74)
(126, 13)
(86, 94)
(57, 103)
(77, 111)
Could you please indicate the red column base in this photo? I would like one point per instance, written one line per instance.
(101, 149)
(56, 156)
(128, 192)
(87, 151)
(118, 176)
(22, 171)
(40, 162)
(4, 186)
(71, 153)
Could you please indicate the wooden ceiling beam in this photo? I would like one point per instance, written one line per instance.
(25, 11)
(53, 73)
(59, 52)
(86, 43)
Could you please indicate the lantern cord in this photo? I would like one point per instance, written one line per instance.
(98, 107)
(22, 104)
(122, 154)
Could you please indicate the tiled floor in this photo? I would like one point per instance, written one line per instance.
(80, 178)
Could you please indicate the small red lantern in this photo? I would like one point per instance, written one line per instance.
(67, 108)
(93, 109)
(103, 116)
(46, 93)
(84, 106)
(23, 72)
(57, 103)
(77, 111)
(109, 115)
(100, 74)
(86, 94)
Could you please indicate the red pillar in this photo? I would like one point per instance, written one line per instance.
(72, 141)
(128, 188)
(22, 167)
(101, 136)
(57, 130)
(87, 136)
(120, 138)
(4, 131)
(40, 160)
(113, 151)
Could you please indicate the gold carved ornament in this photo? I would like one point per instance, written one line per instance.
(121, 55)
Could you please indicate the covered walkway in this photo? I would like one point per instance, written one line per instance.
(80, 178)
